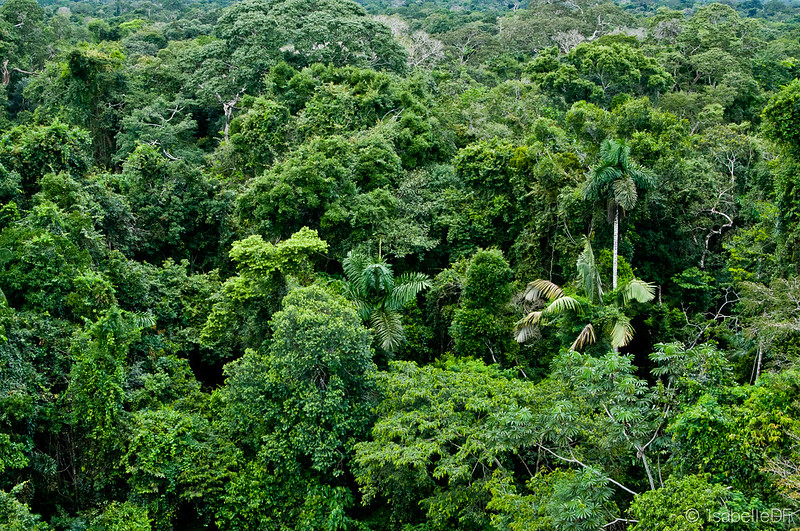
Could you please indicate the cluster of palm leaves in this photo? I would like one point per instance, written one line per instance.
(548, 303)
(379, 296)
(616, 180)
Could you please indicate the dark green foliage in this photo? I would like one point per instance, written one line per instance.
(259, 135)
(31, 152)
(692, 503)
(16, 516)
(485, 210)
(86, 88)
(322, 265)
(294, 410)
(480, 325)
(179, 212)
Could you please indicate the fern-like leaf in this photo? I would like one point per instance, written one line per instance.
(542, 289)
(354, 265)
(562, 305)
(625, 193)
(388, 329)
(407, 286)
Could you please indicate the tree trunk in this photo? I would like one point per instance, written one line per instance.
(760, 355)
(616, 246)
(616, 250)
(647, 469)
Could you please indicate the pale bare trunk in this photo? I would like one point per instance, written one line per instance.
(616, 247)
(616, 250)
(647, 469)
(760, 356)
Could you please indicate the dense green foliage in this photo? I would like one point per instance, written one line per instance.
(399, 266)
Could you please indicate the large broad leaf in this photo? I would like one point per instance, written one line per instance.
(638, 290)
(586, 337)
(621, 332)
(388, 328)
(563, 305)
(542, 289)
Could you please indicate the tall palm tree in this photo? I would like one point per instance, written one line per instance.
(615, 180)
(548, 302)
(380, 296)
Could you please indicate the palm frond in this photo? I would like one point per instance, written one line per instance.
(406, 288)
(622, 155)
(530, 320)
(586, 337)
(542, 289)
(588, 274)
(388, 329)
(354, 265)
(526, 327)
(600, 181)
(614, 152)
(140, 320)
(561, 305)
(625, 193)
(638, 290)
(378, 279)
(621, 332)
(363, 306)
(607, 149)
(643, 178)
(525, 333)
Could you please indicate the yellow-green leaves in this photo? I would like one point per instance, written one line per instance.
(265, 270)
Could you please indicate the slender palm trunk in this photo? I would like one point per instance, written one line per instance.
(616, 249)
(616, 246)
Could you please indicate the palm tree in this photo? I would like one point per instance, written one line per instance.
(379, 297)
(548, 303)
(616, 180)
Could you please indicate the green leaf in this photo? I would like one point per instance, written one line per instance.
(406, 288)
(621, 332)
(563, 304)
(388, 328)
(542, 289)
(638, 290)
(586, 337)
(625, 193)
